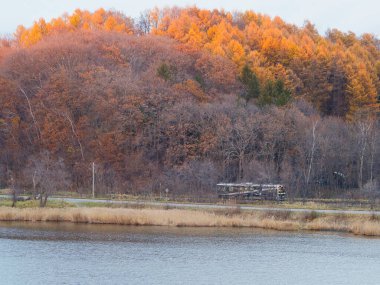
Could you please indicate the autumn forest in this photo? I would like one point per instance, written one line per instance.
(184, 98)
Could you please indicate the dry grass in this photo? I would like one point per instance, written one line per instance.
(36, 203)
(277, 220)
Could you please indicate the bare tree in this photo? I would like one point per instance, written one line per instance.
(241, 142)
(312, 150)
(47, 175)
(144, 23)
(310, 154)
(35, 124)
(363, 131)
(373, 149)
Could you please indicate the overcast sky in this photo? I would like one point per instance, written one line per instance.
(347, 15)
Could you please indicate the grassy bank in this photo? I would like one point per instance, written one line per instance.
(355, 205)
(287, 221)
(35, 204)
(318, 204)
(309, 204)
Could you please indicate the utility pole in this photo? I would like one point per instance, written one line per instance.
(93, 180)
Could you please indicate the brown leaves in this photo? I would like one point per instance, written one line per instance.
(193, 88)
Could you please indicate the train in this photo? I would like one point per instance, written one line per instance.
(251, 191)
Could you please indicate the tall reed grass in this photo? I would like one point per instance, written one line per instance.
(276, 220)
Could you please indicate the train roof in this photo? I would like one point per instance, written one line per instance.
(247, 184)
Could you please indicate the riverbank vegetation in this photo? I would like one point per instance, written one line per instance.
(180, 99)
(123, 200)
(35, 204)
(277, 220)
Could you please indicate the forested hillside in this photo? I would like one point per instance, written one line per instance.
(185, 98)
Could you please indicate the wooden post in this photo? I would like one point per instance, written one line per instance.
(93, 180)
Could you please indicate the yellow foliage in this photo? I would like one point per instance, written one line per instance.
(236, 52)
(16, 121)
(192, 87)
(86, 26)
(195, 37)
(98, 16)
(75, 20)
(110, 23)
(99, 20)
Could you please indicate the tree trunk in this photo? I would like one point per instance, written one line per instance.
(45, 200)
(41, 201)
(364, 133)
(311, 159)
(34, 186)
(14, 197)
(240, 170)
(360, 182)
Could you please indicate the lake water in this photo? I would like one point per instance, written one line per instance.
(102, 254)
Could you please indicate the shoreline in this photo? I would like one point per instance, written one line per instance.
(295, 206)
(365, 225)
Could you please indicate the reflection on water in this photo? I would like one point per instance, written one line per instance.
(104, 254)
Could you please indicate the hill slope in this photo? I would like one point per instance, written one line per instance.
(154, 112)
(338, 73)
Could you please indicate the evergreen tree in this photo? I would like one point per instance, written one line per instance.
(274, 92)
(250, 80)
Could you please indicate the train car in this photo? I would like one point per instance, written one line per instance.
(251, 191)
